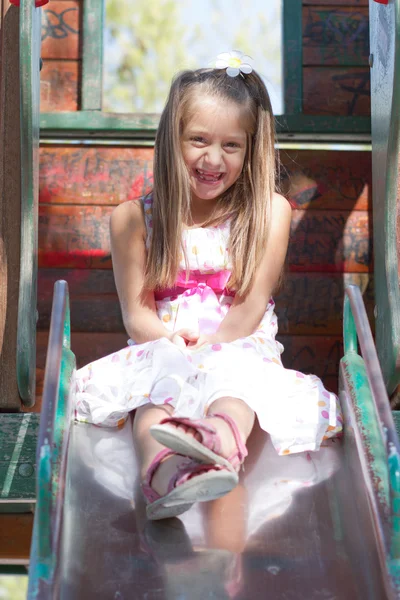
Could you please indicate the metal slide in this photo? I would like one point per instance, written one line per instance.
(309, 526)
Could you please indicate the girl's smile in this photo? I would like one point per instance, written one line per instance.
(214, 143)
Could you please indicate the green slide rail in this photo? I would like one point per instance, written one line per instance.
(51, 449)
(30, 31)
(361, 379)
(385, 112)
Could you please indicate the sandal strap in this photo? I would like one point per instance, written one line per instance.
(209, 436)
(187, 471)
(150, 494)
(237, 458)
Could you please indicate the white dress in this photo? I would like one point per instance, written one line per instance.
(296, 409)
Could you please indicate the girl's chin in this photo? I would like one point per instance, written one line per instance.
(207, 192)
(206, 195)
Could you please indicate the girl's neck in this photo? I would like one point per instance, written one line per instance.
(202, 212)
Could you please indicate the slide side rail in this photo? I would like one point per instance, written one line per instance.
(384, 458)
(51, 449)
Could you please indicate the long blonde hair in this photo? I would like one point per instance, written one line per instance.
(246, 203)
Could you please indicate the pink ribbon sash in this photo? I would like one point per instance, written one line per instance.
(216, 281)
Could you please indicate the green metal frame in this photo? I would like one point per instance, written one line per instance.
(92, 59)
(91, 121)
(361, 377)
(54, 430)
(385, 97)
(293, 56)
(30, 27)
(144, 126)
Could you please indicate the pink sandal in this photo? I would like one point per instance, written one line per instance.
(193, 482)
(208, 450)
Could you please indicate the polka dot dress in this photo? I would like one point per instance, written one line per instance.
(296, 409)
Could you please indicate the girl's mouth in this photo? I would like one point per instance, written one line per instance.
(208, 177)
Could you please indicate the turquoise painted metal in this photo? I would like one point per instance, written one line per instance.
(143, 127)
(364, 382)
(30, 27)
(394, 476)
(385, 113)
(52, 447)
(92, 55)
(293, 56)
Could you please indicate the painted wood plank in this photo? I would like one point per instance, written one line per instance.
(59, 81)
(312, 303)
(102, 175)
(319, 355)
(87, 346)
(330, 241)
(307, 304)
(78, 236)
(327, 179)
(16, 534)
(10, 204)
(60, 30)
(335, 36)
(74, 236)
(336, 91)
(18, 441)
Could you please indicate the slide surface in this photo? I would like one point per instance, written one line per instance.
(296, 527)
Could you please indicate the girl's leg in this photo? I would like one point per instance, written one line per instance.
(225, 521)
(239, 411)
(147, 447)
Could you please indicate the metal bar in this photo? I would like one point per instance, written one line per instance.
(30, 19)
(119, 125)
(281, 145)
(92, 56)
(372, 365)
(385, 112)
(349, 328)
(52, 448)
(44, 459)
(293, 56)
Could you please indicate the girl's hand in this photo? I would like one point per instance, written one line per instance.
(184, 337)
(203, 340)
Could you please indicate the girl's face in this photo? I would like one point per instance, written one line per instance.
(214, 143)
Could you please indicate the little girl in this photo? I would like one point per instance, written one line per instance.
(195, 265)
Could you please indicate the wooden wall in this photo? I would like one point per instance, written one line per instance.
(335, 57)
(330, 191)
(61, 54)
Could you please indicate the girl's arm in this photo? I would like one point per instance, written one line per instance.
(128, 250)
(245, 314)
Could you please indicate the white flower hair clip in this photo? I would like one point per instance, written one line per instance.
(234, 62)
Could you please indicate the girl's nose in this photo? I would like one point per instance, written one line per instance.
(213, 156)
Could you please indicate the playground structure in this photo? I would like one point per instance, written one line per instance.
(339, 535)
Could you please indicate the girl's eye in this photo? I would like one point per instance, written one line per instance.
(198, 139)
(233, 145)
